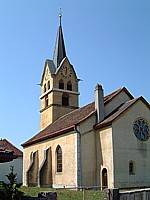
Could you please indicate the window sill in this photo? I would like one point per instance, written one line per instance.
(59, 173)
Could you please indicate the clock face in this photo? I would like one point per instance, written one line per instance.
(141, 129)
(66, 72)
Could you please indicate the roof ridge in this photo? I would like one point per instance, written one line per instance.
(78, 115)
(120, 110)
(110, 96)
(12, 145)
(91, 103)
(132, 100)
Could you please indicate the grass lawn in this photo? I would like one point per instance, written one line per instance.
(64, 194)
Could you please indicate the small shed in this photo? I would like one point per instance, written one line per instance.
(10, 156)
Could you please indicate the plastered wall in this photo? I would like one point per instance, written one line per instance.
(128, 148)
(68, 176)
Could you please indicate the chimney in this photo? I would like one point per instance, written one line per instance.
(99, 102)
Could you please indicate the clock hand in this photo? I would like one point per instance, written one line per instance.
(66, 71)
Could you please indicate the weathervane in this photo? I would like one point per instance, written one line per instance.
(60, 16)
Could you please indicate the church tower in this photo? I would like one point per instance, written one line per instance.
(59, 85)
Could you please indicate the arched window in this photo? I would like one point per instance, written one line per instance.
(46, 100)
(131, 168)
(45, 87)
(69, 86)
(65, 100)
(48, 85)
(61, 84)
(59, 158)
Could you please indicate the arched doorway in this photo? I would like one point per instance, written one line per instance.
(104, 178)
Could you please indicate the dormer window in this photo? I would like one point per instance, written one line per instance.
(65, 100)
(61, 84)
(69, 86)
(48, 85)
(45, 87)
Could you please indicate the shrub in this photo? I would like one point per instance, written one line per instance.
(11, 190)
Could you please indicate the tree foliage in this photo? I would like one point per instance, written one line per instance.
(11, 190)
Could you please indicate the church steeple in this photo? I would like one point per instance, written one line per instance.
(59, 85)
(59, 51)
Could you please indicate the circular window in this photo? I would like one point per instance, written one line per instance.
(141, 129)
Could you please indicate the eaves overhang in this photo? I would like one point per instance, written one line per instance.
(119, 112)
(48, 136)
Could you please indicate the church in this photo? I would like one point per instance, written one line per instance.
(104, 143)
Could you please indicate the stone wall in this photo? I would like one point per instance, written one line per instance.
(143, 194)
(114, 194)
(42, 196)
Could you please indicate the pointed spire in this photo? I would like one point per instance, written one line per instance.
(60, 16)
(59, 51)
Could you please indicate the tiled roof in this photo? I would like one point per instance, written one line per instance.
(63, 124)
(10, 147)
(113, 94)
(67, 122)
(119, 111)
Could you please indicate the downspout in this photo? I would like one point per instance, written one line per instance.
(79, 160)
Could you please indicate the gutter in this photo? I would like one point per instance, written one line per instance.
(79, 163)
(47, 136)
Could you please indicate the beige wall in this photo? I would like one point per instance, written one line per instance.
(55, 109)
(47, 77)
(88, 152)
(59, 77)
(106, 153)
(68, 177)
(128, 148)
(5, 169)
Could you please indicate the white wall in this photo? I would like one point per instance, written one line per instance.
(127, 147)
(5, 169)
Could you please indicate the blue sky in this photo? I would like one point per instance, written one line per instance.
(107, 41)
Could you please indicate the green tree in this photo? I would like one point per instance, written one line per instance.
(12, 191)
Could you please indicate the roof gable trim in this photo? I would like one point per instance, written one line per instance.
(106, 123)
(48, 136)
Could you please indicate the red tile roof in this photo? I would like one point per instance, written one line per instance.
(67, 122)
(109, 97)
(64, 124)
(119, 111)
(7, 145)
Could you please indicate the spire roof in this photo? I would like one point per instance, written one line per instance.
(59, 51)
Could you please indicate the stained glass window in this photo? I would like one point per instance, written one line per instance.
(141, 129)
